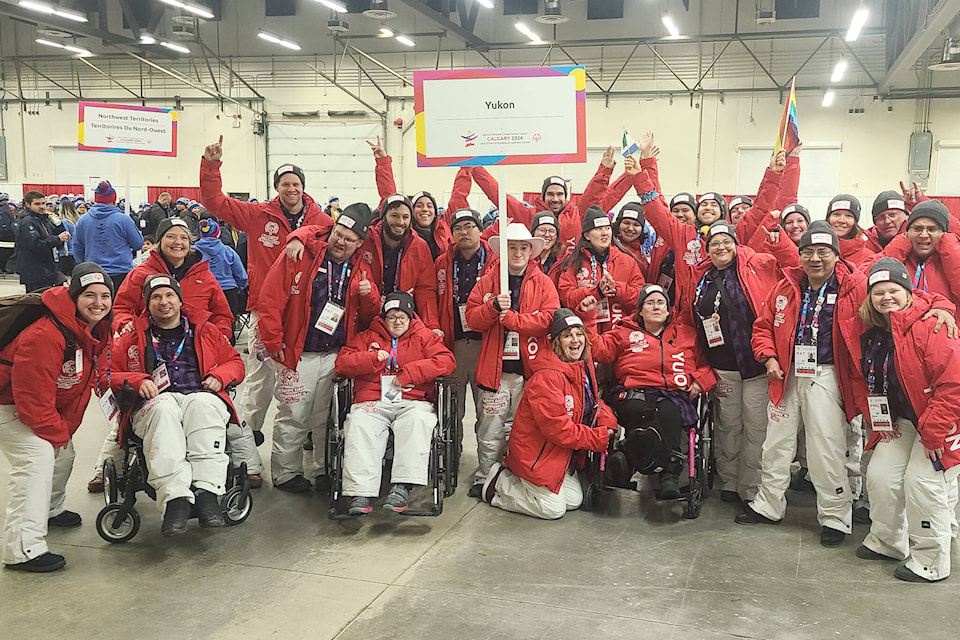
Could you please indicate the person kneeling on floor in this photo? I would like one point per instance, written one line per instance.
(394, 364)
(536, 477)
(180, 363)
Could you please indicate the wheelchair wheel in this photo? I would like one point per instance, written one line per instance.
(236, 506)
(114, 532)
(111, 486)
(691, 510)
(591, 498)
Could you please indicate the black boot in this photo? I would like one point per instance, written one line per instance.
(617, 471)
(208, 510)
(175, 518)
(669, 484)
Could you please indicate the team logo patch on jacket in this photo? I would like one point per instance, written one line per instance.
(781, 304)
(441, 281)
(68, 375)
(637, 342)
(133, 359)
(269, 237)
(568, 405)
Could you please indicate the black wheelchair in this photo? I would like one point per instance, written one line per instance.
(444, 460)
(696, 458)
(119, 520)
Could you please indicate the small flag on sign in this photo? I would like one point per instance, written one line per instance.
(630, 145)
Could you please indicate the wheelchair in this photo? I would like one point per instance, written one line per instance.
(698, 461)
(444, 460)
(119, 521)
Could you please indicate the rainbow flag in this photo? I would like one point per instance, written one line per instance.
(788, 135)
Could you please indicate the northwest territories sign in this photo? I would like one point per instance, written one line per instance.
(522, 115)
(119, 128)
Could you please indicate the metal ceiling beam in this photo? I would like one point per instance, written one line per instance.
(382, 114)
(667, 65)
(131, 18)
(759, 64)
(231, 70)
(110, 78)
(369, 57)
(926, 34)
(710, 68)
(467, 36)
(49, 79)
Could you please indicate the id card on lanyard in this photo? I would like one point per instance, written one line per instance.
(805, 355)
(711, 326)
(881, 418)
(390, 391)
(511, 346)
(160, 374)
(603, 305)
(333, 310)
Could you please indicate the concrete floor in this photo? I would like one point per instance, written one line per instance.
(637, 570)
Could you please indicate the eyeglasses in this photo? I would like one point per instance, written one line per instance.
(919, 230)
(545, 230)
(396, 319)
(721, 244)
(655, 304)
(465, 228)
(336, 234)
(823, 253)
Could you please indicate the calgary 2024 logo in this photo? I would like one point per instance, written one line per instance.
(470, 139)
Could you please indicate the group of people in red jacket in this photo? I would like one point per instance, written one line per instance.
(604, 337)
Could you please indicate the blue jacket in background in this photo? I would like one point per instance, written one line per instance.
(108, 237)
(224, 262)
(67, 249)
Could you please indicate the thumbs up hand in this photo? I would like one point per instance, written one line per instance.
(364, 288)
(214, 151)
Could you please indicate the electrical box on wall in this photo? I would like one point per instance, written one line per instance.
(921, 150)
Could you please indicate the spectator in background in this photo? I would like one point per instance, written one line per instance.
(333, 207)
(107, 236)
(8, 230)
(180, 206)
(224, 263)
(158, 211)
(69, 217)
(149, 242)
(37, 243)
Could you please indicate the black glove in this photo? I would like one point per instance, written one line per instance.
(258, 437)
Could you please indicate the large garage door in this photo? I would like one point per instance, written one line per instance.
(334, 157)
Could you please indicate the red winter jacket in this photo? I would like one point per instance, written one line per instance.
(287, 293)
(762, 206)
(444, 267)
(758, 274)
(548, 426)
(420, 353)
(855, 251)
(789, 184)
(574, 287)
(570, 217)
(684, 239)
(538, 301)
(942, 270)
(928, 367)
(200, 290)
(266, 226)
(642, 360)
(217, 357)
(617, 190)
(784, 251)
(387, 186)
(775, 330)
(50, 395)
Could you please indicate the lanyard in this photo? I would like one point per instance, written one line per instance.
(872, 371)
(97, 383)
(396, 275)
(920, 277)
(815, 321)
(456, 275)
(593, 269)
(392, 362)
(698, 298)
(183, 340)
(344, 278)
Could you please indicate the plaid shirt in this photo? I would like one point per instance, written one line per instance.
(736, 322)
(184, 372)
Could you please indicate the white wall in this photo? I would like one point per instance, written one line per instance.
(873, 144)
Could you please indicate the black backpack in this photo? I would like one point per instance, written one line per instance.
(19, 312)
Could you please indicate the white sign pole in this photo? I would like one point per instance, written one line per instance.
(502, 218)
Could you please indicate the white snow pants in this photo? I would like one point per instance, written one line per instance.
(517, 495)
(497, 409)
(260, 380)
(741, 427)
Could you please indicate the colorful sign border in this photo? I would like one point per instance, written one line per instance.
(126, 107)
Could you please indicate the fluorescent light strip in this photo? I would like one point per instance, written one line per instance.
(37, 6)
(486, 3)
(672, 28)
(856, 25)
(333, 4)
(43, 7)
(406, 41)
(174, 47)
(146, 38)
(269, 37)
(838, 71)
(525, 30)
(68, 47)
(203, 12)
(827, 99)
(386, 33)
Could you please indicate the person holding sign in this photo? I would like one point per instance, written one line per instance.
(600, 268)
(513, 318)
(731, 288)
(44, 389)
(535, 478)
(181, 365)
(458, 271)
(267, 225)
(311, 309)
(394, 364)
(906, 381)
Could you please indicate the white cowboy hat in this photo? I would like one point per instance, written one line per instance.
(518, 232)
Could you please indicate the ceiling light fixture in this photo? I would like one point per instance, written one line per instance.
(485, 3)
(838, 71)
(406, 41)
(385, 33)
(672, 28)
(175, 47)
(856, 25)
(827, 99)
(197, 10)
(56, 45)
(333, 4)
(525, 30)
(146, 38)
(52, 10)
(269, 37)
